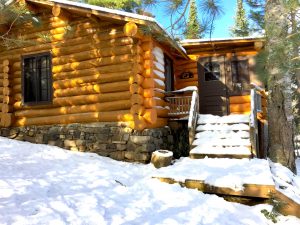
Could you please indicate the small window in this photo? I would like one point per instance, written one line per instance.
(36, 79)
(239, 71)
(212, 71)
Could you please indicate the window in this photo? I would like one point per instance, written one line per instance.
(36, 79)
(212, 71)
(169, 73)
(240, 71)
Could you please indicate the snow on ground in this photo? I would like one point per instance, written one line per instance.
(42, 184)
(231, 173)
(287, 182)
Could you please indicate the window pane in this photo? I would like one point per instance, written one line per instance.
(30, 87)
(37, 79)
(212, 71)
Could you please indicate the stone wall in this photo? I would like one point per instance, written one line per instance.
(106, 139)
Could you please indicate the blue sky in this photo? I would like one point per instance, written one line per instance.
(222, 25)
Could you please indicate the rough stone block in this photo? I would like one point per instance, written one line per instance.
(119, 155)
(125, 137)
(144, 157)
(140, 139)
(69, 143)
(121, 147)
(129, 155)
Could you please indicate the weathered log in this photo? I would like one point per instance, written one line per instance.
(6, 83)
(138, 123)
(137, 99)
(105, 78)
(153, 83)
(65, 45)
(245, 107)
(153, 92)
(5, 69)
(131, 29)
(137, 109)
(94, 53)
(107, 73)
(161, 122)
(5, 62)
(158, 75)
(98, 107)
(150, 115)
(7, 100)
(114, 60)
(82, 99)
(7, 119)
(152, 102)
(136, 79)
(161, 158)
(136, 89)
(147, 45)
(162, 111)
(113, 116)
(7, 91)
(92, 89)
(148, 72)
(240, 99)
(6, 108)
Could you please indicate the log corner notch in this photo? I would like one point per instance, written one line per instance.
(56, 10)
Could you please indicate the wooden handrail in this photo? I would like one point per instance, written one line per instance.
(193, 116)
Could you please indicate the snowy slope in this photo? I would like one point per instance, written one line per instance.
(47, 185)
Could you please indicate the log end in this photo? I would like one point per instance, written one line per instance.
(161, 158)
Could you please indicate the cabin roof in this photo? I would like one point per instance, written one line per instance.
(189, 42)
(113, 14)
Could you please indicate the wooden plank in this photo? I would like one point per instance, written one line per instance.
(249, 190)
(231, 156)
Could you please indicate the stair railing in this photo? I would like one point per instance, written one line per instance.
(193, 116)
(256, 107)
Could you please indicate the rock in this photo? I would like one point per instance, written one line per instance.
(140, 139)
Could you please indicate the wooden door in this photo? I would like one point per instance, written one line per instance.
(212, 86)
(239, 79)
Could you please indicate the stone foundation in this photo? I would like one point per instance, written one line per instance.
(106, 139)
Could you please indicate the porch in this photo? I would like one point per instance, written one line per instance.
(237, 135)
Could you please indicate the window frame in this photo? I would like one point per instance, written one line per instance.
(212, 72)
(50, 79)
(171, 77)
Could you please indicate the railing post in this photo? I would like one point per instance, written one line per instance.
(254, 124)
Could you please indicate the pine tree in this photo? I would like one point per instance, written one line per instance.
(11, 14)
(193, 30)
(241, 26)
(280, 67)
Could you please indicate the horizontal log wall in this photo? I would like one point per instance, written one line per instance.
(96, 70)
(182, 68)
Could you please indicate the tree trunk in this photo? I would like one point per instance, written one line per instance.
(281, 147)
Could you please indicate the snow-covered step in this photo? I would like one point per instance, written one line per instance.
(223, 127)
(221, 134)
(219, 152)
(222, 142)
(206, 119)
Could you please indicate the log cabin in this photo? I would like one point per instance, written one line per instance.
(111, 82)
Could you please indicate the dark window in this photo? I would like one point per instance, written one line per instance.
(240, 71)
(36, 79)
(212, 71)
(169, 73)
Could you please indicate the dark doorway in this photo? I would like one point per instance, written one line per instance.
(212, 86)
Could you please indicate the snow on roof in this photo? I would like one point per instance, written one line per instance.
(125, 14)
(190, 41)
(103, 9)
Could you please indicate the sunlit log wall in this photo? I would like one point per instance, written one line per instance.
(98, 75)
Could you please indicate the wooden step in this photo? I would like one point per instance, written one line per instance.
(223, 127)
(222, 134)
(231, 119)
(240, 152)
(219, 142)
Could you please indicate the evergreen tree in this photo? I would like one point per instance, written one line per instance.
(193, 30)
(11, 14)
(241, 26)
(281, 66)
(126, 5)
